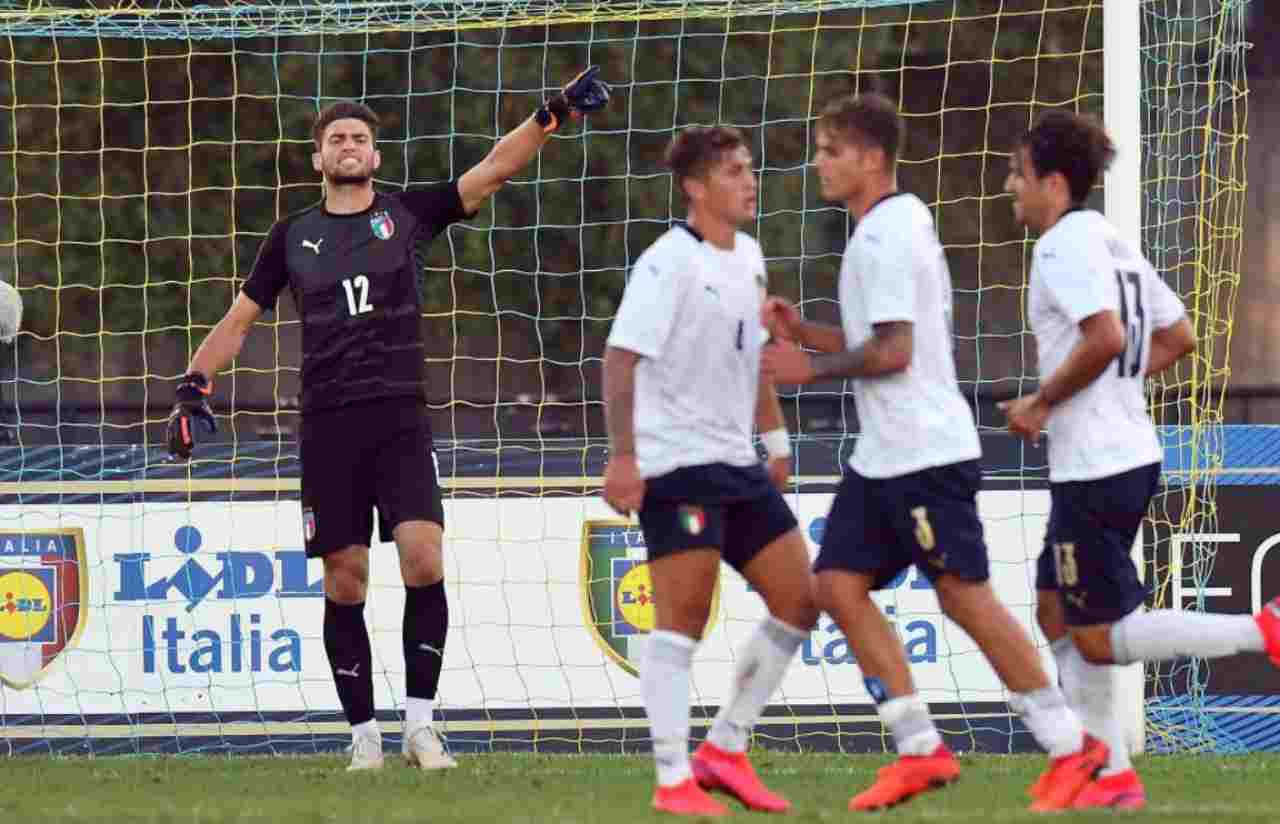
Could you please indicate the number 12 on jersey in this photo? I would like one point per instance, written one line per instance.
(357, 289)
(1134, 320)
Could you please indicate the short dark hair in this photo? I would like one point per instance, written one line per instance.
(1074, 144)
(695, 149)
(870, 120)
(342, 110)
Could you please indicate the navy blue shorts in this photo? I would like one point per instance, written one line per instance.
(734, 509)
(880, 526)
(1086, 555)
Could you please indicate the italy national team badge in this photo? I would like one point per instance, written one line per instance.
(383, 227)
(692, 518)
(308, 523)
(617, 592)
(43, 576)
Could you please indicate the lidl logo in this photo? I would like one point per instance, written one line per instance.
(26, 608)
(42, 577)
(618, 599)
(633, 609)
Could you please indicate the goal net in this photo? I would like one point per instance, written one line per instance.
(147, 148)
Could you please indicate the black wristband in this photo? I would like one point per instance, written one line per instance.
(194, 387)
(554, 112)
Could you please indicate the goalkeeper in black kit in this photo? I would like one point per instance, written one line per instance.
(352, 264)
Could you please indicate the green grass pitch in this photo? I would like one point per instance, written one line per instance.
(569, 789)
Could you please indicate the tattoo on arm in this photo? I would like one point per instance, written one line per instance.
(850, 363)
(824, 337)
(887, 351)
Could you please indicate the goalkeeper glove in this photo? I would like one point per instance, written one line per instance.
(192, 405)
(583, 94)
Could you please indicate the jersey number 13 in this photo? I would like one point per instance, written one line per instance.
(1134, 320)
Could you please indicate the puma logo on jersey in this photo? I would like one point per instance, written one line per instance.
(713, 290)
(312, 245)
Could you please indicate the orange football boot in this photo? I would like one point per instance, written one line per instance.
(687, 798)
(718, 769)
(907, 777)
(1122, 791)
(1068, 775)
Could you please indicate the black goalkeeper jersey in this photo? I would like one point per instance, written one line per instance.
(355, 282)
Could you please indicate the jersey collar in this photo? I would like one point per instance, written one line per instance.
(696, 234)
(1072, 210)
(882, 199)
(365, 211)
(879, 200)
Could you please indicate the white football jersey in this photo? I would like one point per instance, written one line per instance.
(692, 311)
(1081, 267)
(894, 270)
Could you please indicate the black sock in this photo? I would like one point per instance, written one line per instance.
(426, 623)
(346, 640)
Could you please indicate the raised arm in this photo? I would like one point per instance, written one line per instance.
(585, 93)
(511, 154)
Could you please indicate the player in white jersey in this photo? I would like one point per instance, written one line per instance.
(1103, 321)
(682, 390)
(909, 495)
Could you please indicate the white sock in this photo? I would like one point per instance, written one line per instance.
(1064, 654)
(368, 729)
(1056, 727)
(760, 669)
(907, 718)
(1168, 633)
(418, 713)
(664, 684)
(1091, 690)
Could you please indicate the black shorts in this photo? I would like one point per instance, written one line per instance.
(734, 509)
(355, 458)
(880, 526)
(1088, 545)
